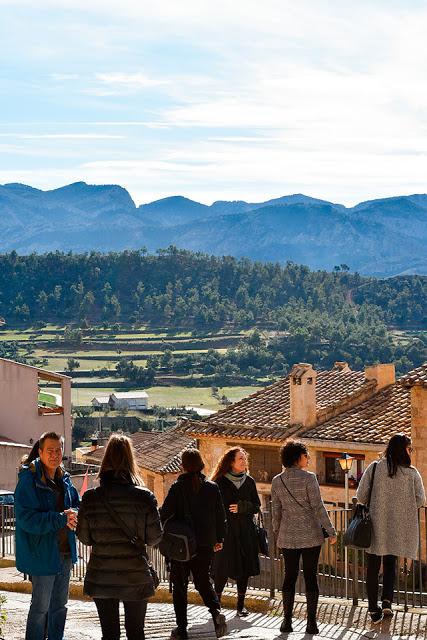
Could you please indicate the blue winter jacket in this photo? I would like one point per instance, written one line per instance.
(37, 522)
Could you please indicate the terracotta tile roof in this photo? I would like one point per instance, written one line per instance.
(156, 451)
(266, 413)
(142, 438)
(94, 457)
(417, 376)
(163, 453)
(216, 429)
(372, 421)
(138, 439)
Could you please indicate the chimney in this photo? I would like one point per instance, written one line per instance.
(302, 381)
(383, 374)
(342, 366)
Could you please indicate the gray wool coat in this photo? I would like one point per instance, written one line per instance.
(295, 526)
(394, 509)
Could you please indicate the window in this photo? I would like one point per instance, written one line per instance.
(335, 475)
(49, 398)
(264, 462)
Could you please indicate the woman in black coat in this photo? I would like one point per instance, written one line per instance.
(239, 557)
(197, 501)
(117, 570)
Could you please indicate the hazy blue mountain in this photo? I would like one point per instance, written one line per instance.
(172, 211)
(382, 237)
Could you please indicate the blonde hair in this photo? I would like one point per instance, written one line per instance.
(119, 457)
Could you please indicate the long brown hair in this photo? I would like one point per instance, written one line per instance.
(225, 462)
(397, 454)
(192, 462)
(119, 457)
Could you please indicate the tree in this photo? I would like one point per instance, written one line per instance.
(72, 364)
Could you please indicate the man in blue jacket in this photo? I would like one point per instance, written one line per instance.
(45, 503)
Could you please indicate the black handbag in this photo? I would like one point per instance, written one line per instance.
(359, 530)
(262, 535)
(179, 541)
(133, 539)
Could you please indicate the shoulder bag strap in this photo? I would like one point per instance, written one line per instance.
(133, 538)
(293, 497)
(372, 484)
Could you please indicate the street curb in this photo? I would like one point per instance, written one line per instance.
(257, 604)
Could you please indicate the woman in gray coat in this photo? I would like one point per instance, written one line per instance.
(397, 494)
(299, 522)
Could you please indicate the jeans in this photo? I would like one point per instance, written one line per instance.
(310, 558)
(200, 567)
(108, 612)
(389, 573)
(48, 600)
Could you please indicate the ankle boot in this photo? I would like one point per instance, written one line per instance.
(288, 605)
(242, 612)
(312, 598)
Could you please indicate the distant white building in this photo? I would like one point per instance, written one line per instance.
(101, 402)
(137, 400)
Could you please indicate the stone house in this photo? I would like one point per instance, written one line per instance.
(136, 400)
(332, 412)
(158, 456)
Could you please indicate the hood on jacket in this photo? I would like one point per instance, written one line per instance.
(36, 467)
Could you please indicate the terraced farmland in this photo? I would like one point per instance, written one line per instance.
(100, 351)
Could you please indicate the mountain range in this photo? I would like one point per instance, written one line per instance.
(381, 237)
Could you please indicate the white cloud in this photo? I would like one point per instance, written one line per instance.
(128, 79)
(231, 99)
(63, 136)
(64, 76)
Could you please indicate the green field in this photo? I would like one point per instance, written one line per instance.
(200, 397)
(49, 399)
(169, 396)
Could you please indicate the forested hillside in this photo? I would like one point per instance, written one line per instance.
(300, 314)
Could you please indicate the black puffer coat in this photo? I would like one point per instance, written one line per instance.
(239, 556)
(116, 568)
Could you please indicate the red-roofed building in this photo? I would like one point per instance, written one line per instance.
(158, 455)
(332, 411)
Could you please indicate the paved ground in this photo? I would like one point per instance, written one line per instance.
(82, 624)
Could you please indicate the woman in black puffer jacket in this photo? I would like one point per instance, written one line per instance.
(117, 570)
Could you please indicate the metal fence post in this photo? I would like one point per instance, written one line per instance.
(2, 532)
(355, 564)
(271, 550)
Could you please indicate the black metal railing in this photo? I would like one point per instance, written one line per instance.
(342, 571)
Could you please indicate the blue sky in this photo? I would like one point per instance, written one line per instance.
(216, 100)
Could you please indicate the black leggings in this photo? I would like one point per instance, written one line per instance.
(199, 566)
(241, 583)
(310, 558)
(389, 574)
(108, 612)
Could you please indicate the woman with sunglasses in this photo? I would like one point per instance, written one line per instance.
(397, 494)
(300, 523)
